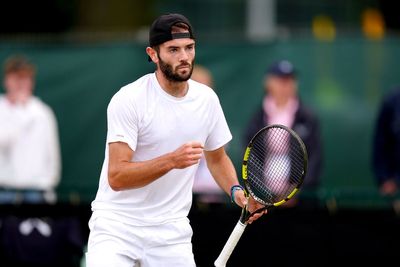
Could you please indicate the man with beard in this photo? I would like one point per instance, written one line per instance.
(158, 128)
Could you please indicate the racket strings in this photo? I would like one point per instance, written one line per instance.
(275, 165)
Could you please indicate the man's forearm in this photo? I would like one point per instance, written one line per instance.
(124, 174)
(224, 172)
(130, 175)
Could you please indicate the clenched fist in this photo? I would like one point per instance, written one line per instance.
(187, 155)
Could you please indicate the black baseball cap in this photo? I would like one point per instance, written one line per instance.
(283, 68)
(160, 31)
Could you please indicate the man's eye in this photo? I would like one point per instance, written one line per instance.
(173, 50)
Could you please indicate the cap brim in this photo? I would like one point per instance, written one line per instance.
(282, 74)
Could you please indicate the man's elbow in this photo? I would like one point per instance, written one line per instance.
(115, 180)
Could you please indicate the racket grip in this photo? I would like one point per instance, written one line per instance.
(230, 245)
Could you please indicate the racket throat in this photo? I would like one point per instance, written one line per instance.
(245, 216)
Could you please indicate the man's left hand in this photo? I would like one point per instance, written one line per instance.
(253, 205)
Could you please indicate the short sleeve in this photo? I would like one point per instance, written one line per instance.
(219, 134)
(122, 121)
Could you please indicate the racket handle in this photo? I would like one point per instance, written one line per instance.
(230, 245)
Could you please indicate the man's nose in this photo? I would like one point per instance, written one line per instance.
(184, 56)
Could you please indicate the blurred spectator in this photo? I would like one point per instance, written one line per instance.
(29, 145)
(386, 148)
(205, 188)
(281, 105)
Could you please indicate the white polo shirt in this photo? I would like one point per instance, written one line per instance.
(154, 123)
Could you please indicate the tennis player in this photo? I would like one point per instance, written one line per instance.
(158, 128)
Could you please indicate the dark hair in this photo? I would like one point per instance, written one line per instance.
(179, 27)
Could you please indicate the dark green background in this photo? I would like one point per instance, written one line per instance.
(343, 81)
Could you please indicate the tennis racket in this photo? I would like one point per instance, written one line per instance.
(274, 167)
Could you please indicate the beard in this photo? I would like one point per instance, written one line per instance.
(172, 74)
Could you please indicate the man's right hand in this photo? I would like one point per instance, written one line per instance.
(187, 155)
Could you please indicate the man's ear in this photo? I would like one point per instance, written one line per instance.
(152, 54)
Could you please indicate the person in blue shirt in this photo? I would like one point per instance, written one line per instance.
(386, 144)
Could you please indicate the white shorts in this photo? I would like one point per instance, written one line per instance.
(112, 243)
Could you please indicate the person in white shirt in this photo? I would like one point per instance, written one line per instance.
(29, 146)
(158, 128)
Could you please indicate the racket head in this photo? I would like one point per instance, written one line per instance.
(274, 165)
